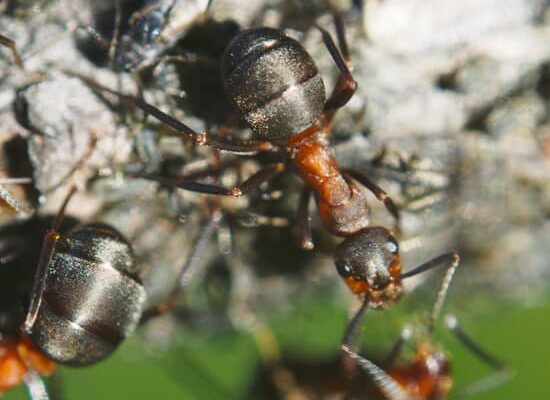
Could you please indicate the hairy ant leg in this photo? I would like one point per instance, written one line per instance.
(48, 248)
(35, 386)
(10, 199)
(188, 268)
(387, 385)
(10, 44)
(351, 329)
(404, 336)
(250, 147)
(116, 34)
(302, 226)
(345, 86)
(261, 176)
(500, 370)
(378, 192)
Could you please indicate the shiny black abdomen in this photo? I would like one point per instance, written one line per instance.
(93, 297)
(273, 83)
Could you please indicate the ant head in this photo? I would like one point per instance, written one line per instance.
(369, 263)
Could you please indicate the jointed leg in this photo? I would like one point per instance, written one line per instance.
(188, 268)
(48, 248)
(265, 174)
(9, 198)
(385, 383)
(353, 325)
(116, 33)
(9, 43)
(303, 221)
(501, 371)
(490, 360)
(251, 219)
(377, 191)
(345, 86)
(404, 337)
(251, 147)
(35, 386)
(199, 138)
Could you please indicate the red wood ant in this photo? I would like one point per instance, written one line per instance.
(86, 297)
(274, 84)
(427, 374)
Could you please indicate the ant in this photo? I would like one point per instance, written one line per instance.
(427, 374)
(87, 296)
(275, 86)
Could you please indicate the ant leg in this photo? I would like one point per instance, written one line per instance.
(348, 339)
(48, 247)
(501, 371)
(10, 43)
(251, 147)
(385, 383)
(451, 322)
(35, 386)
(353, 325)
(377, 191)
(253, 182)
(303, 222)
(199, 138)
(116, 33)
(345, 86)
(404, 337)
(451, 260)
(9, 198)
(253, 220)
(187, 270)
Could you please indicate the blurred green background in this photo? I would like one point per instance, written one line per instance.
(224, 365)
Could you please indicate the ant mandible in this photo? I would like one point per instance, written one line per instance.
(275, 86)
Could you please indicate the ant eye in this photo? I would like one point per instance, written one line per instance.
(392, 246)
(344, 269)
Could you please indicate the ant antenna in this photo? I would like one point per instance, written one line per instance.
(451, 260)
(353, 324)
(10, 43)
